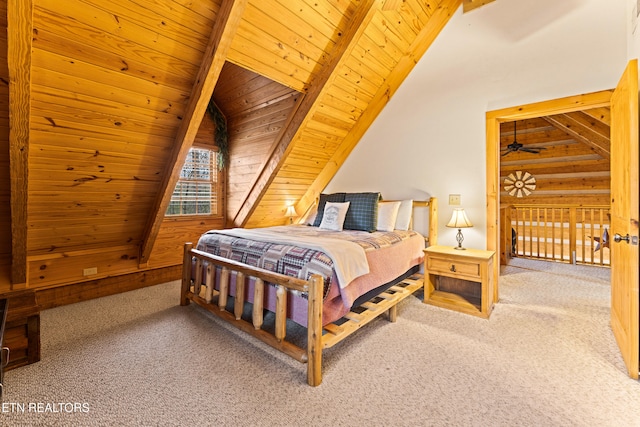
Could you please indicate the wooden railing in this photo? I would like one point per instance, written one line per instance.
(564, 233)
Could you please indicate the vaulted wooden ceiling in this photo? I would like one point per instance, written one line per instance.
(107, 96)
(570, 158)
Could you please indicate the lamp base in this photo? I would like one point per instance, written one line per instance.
(460, 248)
(459, 238)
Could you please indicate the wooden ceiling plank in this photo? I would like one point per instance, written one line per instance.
(318, 85)
(429, 32)
(581, 133)
(19, 39)
(226, 25)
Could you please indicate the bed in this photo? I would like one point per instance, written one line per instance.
(329, 279)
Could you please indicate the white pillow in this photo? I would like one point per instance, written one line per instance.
(334, 215)
(311, 216)
(403, 220)
(387, 215)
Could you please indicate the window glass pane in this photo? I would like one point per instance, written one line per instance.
(195, 191)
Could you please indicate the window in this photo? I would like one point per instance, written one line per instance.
(197, 190)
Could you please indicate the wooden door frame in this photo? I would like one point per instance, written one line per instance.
(529, 111)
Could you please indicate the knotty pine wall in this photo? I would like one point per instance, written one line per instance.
(566, 171)
(257, 110)
(175, 231)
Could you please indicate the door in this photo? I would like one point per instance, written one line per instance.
(624, 217)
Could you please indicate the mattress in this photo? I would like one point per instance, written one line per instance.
(389, 255)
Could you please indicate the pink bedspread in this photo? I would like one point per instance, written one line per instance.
(389, 254)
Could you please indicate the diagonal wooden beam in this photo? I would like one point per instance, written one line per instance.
(315, 89)
(427, 35)
(19, 47)
(227, 22)
(601, 114)
(469, 5)
(581, 129)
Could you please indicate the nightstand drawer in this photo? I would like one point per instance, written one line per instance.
(457, 268)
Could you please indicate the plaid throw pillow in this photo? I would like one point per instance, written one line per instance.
(363, 211)
(324, 198)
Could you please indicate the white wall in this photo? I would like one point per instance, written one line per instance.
(430, 139)
(633, 32)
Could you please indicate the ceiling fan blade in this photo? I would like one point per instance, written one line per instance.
(531, 150)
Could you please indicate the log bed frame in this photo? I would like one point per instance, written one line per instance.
(318, 337)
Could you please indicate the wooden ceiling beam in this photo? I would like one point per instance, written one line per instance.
(224, 29)
(602, 114)
(422, 42)
(19, 48)
(469, 5)
(578, 126)
(303, 112)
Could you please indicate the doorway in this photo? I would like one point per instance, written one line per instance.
(625, 205)
(530, 111)
(555, 187)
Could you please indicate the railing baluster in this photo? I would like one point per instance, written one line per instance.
(572, 234)
(553, 233)
(583, 238)
(538, 232)
(530, 232)
(600, 235)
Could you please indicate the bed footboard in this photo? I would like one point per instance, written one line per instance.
(198, 287)
(215, 301)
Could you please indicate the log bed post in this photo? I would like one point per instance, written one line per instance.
(314, 331)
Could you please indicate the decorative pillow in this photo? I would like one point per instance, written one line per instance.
(334, 214)
(387, 215)
(363, 211)
(311, 216)
(324, 198)
(403, 221)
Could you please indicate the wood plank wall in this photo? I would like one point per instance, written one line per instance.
(566, 171)
(5, 196)
(110, 84)
(176, 231)
(257, 109)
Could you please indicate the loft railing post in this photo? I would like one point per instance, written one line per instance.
(572, 234)
(506, 235)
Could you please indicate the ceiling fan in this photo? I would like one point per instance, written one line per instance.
(516, 146)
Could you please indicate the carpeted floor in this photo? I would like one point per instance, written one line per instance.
(545, 358)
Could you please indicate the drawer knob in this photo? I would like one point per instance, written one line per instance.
(452, 268)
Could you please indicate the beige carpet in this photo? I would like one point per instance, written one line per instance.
(545, 358)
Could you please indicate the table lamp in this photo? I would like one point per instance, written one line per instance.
(291, 212)
(459, 220)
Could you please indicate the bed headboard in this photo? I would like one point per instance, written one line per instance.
(431, 204)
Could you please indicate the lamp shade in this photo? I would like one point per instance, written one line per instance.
(459, 219)
(291, 211)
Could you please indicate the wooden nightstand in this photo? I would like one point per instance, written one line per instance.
(459, 279)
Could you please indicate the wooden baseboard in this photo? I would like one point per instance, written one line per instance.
(77, 292)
